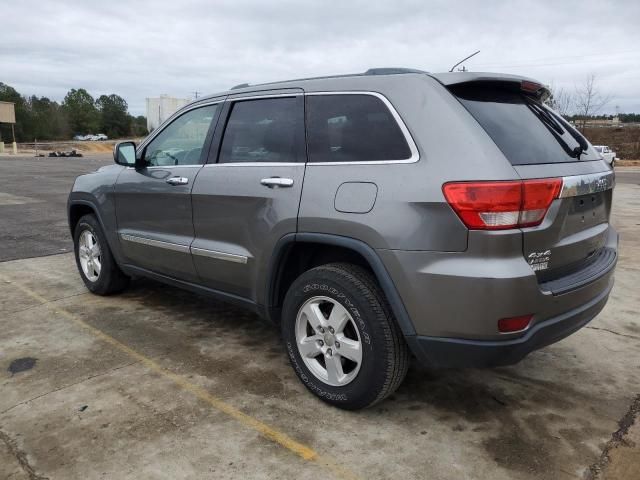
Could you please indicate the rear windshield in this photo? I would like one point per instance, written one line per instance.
(526, 132)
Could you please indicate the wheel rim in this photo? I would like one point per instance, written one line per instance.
(328, 341)
(89, 255)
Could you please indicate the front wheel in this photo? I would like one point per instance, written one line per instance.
(341, 337)
(96, 265)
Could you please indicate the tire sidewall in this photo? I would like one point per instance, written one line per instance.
(363, 389)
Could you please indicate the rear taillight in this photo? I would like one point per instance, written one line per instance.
(501, 205)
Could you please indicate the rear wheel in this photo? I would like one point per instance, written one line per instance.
(96, 265)
(341, 337)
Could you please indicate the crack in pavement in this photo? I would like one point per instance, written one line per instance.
(614, 332)
(617, 438)
(21, 457)
(68, 386)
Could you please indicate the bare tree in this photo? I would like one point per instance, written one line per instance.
(560, 100)
(589, 100)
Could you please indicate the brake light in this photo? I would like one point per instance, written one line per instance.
(503, 204)
(530, 87)
(514, 324)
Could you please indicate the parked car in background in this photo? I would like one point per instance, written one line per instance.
(451, 216)
(607, 153)
(91, 138)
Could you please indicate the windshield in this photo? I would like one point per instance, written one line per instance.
(526, 131)
(598, 149)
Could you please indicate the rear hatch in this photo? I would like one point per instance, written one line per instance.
(568, 248)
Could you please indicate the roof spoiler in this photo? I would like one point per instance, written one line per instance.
(528, 86)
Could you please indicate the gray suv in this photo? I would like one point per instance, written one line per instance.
(373, 217)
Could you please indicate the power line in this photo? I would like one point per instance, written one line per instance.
(557, 61)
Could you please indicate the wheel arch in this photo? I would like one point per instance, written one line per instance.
(286, 264)
(78, 208)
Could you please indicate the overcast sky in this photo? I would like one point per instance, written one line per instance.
(141, 49)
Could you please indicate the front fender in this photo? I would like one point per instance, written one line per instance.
(95, 191)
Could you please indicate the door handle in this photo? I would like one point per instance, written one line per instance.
(277, 182)
(177, 181)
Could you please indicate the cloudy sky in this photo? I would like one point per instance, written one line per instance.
(139, 49)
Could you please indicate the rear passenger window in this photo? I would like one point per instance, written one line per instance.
(266, 130)
(352, 128)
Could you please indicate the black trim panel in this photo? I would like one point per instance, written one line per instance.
(580, 273)
(369, 254)
(441, 352)
(210, 292)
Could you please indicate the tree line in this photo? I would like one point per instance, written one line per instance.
(40, 118)
(584, 103)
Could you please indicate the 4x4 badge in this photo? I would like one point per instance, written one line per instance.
(539, 260)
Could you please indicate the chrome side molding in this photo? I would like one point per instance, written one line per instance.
(155, 243)
(229, 257)
(576, 185)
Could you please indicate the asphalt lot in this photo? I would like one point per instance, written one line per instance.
(33, 199)
(160, 383)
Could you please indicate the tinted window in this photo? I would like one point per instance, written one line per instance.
(352, 128)
(181, 142)
(525, 131)
(267, 130)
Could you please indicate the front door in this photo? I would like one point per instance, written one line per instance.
(246, 198)
(153, 201)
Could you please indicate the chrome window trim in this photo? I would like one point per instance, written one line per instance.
(231, 98)
(229, 257)
(413, 148)
(155, 243)
(575, 185)
(169, 120)
(161, 167)
(256, 164)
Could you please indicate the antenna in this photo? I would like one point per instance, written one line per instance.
(465, 58)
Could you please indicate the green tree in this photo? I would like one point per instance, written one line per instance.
(10, 94)
(48, 120)
(115, 121)
(139, 126)
(81, 111)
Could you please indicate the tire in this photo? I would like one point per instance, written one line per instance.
(369, 323)
(109, 279)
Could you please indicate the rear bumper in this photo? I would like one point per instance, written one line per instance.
(440, 352)
(455, 300)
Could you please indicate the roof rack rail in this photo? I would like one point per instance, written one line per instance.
(241, 85)
(391, 71)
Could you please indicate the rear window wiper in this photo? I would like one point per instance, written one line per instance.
(577, 136)
(554, 124)
(546, 117)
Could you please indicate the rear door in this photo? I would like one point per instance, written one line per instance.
(246, 198)
(539, 144)
(153, 203)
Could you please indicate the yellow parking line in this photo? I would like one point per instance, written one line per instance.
(281, 438)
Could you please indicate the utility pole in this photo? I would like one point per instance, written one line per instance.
(195, 94)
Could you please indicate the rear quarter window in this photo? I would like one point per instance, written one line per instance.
(352, 128)
(521, 134)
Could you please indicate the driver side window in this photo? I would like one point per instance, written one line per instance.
(181, 142)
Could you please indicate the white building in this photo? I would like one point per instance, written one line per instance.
(161, 108)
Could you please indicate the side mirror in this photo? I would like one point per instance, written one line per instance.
(124, 153)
